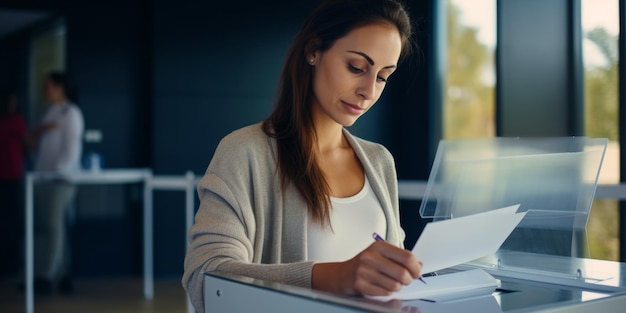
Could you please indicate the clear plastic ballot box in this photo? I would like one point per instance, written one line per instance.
(553, 179)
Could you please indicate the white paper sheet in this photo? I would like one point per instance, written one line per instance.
(447, 287)
(484, 304)
(451, 242)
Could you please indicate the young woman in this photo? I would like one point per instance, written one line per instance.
(295, 199)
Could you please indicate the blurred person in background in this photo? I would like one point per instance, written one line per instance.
(58, 149)
(13, 132)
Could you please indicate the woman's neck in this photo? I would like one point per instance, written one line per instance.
(329, 136)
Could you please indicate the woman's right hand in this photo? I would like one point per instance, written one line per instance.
(379, 270)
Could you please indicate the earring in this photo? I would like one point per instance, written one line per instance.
(312, 60)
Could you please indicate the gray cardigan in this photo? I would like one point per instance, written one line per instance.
(245, 225)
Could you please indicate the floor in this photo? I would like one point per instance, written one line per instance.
(120, 295)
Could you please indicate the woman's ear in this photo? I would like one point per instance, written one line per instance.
(312, 51)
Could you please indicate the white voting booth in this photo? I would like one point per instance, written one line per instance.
(542, 264)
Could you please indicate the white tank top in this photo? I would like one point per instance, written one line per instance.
(353, 220)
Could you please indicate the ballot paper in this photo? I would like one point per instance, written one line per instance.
(451, 242)
(455, 241)
(463, 284)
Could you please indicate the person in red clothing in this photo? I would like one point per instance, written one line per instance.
(13, 134)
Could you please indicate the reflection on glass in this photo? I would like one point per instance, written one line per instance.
(469, 105)
(609, 273)
(588, 296)
(600, 28)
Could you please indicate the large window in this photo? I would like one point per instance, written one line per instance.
(469, 93)
(469, 104)
(600, 30)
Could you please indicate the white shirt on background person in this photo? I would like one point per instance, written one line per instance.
(60, 148)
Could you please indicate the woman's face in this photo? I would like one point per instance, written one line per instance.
(349, 77)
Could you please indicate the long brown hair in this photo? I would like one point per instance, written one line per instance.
(291, 121)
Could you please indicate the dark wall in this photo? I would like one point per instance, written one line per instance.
(109, 58)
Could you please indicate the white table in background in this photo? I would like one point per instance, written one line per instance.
(100, 177)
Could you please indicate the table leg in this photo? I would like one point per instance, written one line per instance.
(29, 238)
(148, 254)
